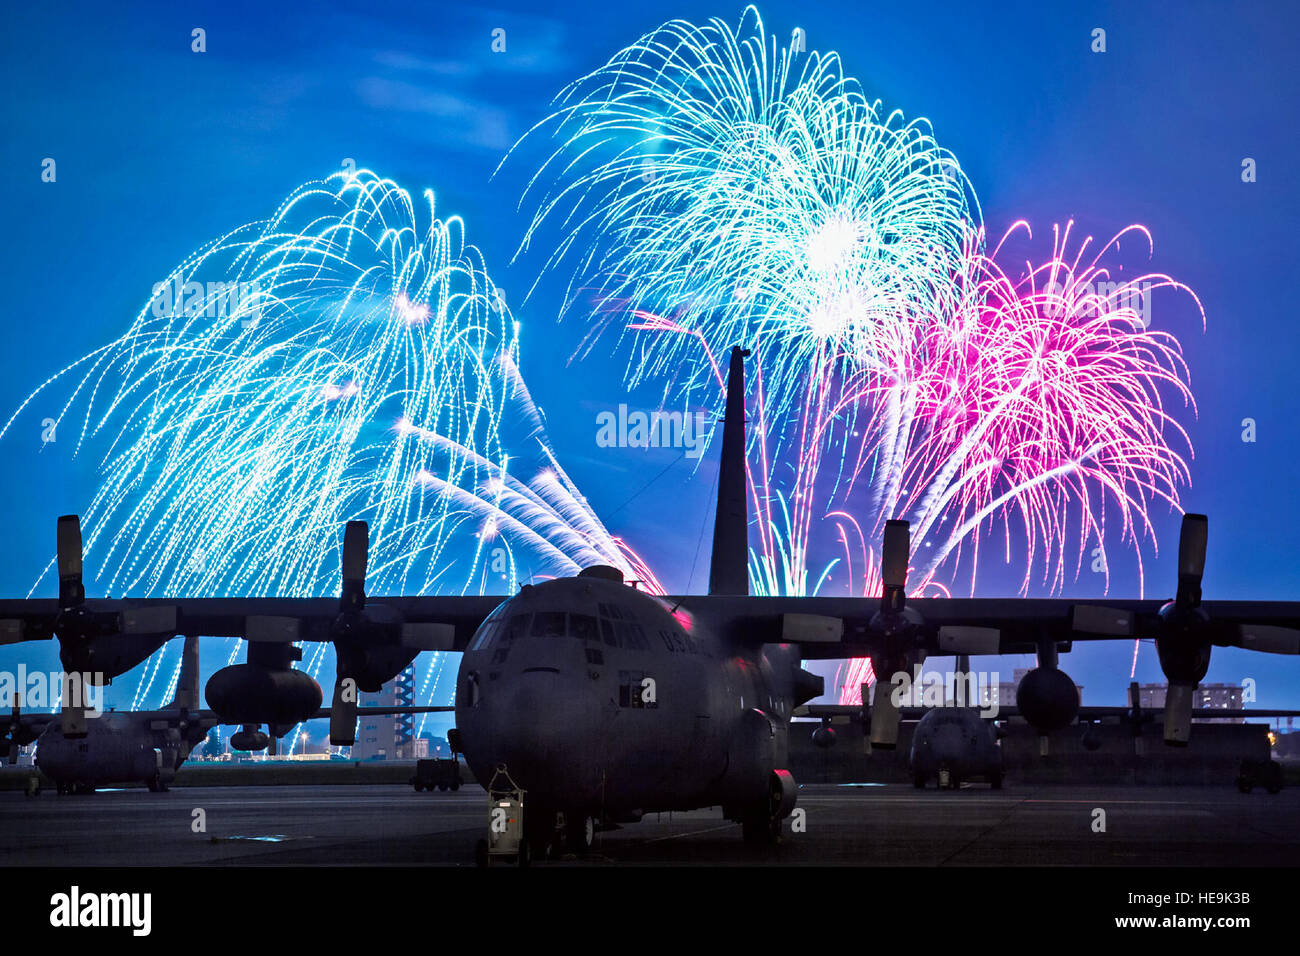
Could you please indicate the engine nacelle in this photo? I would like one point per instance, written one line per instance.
(1048, 699)
(374, 667)
(1182, 645)
(251, 694)
(109, 655)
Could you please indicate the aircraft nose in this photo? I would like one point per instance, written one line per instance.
(546, 727)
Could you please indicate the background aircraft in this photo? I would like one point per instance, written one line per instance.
(953, 743)
(147, 747)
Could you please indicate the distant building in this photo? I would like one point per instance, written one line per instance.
(1207, 697)
(391, 737)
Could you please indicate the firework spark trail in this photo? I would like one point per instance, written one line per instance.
(747, 194)
(1039, 402)
(311, 369)
(710, 188)
(731, 191)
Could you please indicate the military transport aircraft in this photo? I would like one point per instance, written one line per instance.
(605, 703)
(139, 746)
(953, 743)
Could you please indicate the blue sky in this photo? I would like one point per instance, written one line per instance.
(159, 149)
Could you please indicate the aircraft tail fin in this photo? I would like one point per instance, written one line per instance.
(729, 566)
(187, 685)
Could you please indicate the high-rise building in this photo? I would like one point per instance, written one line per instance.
(391, 737)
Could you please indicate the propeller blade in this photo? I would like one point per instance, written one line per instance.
(1268, 638)
(356, 559)
(894, 554)
(68, 548)
(1192, 540)
(343, 715)
(1178, 713)
(885, 717)
(1094, 619)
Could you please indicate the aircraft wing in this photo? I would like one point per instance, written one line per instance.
(840, 713)
(324, 712)
(836, 628)
(263, 619)
(211, 717)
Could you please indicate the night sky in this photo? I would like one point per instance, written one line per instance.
(159, 149)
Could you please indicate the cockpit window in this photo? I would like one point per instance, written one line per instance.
(514, 628)
(483, 640)
(504, 634)
(607, 631)
(548, 624)
(583, 627)
(632, 636)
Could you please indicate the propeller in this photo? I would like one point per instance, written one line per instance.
(1185, 632)
(81, 628)
(895, 550)
(350, 624)
(372, 641)
(895, 628)
(1193, 538)
(72, 592)
(1184, 638)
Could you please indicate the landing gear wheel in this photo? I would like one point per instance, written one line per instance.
(760, 825)
(1272, 776)
(1245, 784)
(579, 832)
(918, 781)
(442, 788)
(156, 784)
(455, 785)
(419, 787)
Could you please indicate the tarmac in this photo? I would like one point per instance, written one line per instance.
(854, 825)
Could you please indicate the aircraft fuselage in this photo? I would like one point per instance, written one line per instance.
(119, 747)
(602, 699)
